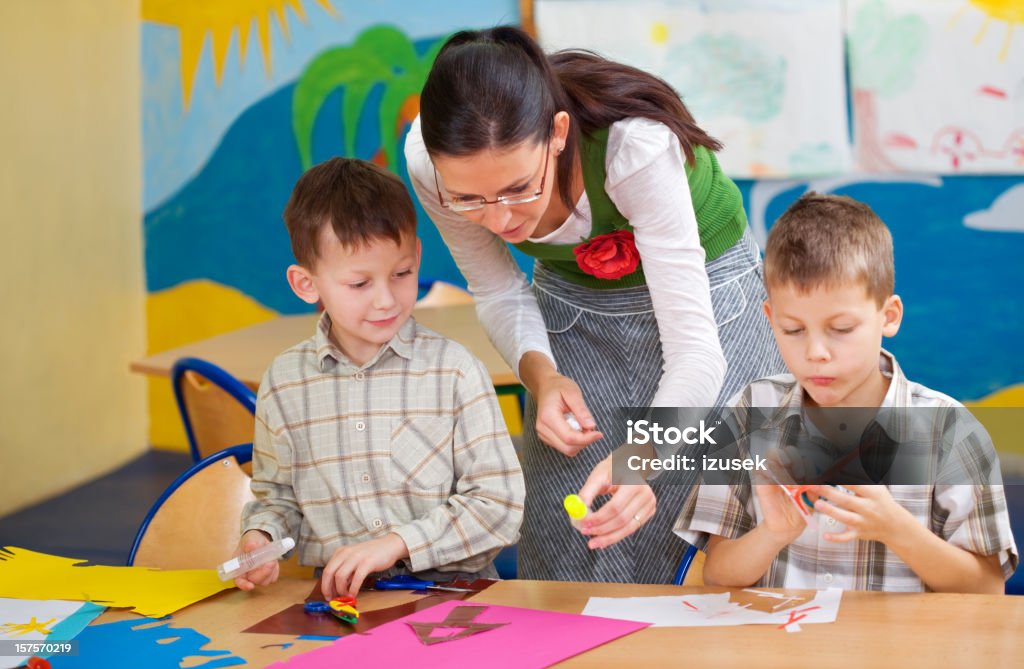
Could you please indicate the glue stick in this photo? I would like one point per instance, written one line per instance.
(246, 562)
(576, 508)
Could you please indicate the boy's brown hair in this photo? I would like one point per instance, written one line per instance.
(360, 201)
(826, 240)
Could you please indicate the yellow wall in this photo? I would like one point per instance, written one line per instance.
(70, 244)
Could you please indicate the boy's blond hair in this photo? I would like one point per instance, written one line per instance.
(827, 240)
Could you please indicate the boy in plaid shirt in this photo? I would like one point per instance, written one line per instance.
(830, 277)
(379, 445)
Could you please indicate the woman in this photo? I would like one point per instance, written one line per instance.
(643, 288)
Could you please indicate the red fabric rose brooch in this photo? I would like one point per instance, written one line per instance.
(608, 256)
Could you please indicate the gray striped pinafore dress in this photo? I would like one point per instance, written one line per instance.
(608, 342)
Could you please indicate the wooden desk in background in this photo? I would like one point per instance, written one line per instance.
(872, 629)
(247, 353)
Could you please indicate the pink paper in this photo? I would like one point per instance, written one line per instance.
(530, 639)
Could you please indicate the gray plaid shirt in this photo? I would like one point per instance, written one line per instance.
(413, 442)
(972, 517)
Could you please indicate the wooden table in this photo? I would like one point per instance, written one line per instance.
(247, 353)
(872, 630)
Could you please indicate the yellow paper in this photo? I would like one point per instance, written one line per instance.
(25, 574)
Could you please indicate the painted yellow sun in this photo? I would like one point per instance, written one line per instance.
(659, 32)
(21, 629)
(221, 18)
(1010, 12)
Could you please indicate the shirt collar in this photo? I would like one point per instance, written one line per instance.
(898, 395)
(893, 416)
(790, 405)
(330, 356)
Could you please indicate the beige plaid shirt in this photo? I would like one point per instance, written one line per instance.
(972, 517)
(413, 442)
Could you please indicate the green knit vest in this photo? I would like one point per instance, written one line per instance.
(716, 200)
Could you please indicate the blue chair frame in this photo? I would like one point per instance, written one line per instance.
(218, 377)
(242, 453)
(506, 562)
(684, 565)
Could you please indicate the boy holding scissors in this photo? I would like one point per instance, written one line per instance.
(379, 444)
(830, 277)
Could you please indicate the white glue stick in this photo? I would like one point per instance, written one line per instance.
(571, 420)
(246, 562)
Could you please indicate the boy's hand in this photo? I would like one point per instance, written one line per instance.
(870, 513)
(781, 519)
(788, 465)
(350, 565)
(557, 395)
(264, 575)
(626, 512)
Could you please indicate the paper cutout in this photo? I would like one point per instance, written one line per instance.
(529, 639)
(747, 607)
(143, 642)
(461, 618)
(294, 620)
(25, 574)
(768, 602)
(796, 616)
(42, 620)
(16, 629)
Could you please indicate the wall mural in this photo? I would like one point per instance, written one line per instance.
(225, 137)
(938, 85)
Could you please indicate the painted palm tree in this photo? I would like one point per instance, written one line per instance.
(884, 51)
(381, 55)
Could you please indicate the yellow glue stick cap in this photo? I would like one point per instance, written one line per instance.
(575, 507)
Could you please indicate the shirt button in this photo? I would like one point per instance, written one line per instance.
(360, 426)
(359, 376)
(827, 578)
(831, 521)
(378, 522)
(366, 478)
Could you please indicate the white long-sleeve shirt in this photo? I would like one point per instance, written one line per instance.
(646, 180)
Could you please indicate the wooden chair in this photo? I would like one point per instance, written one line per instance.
(195, 524)
(216, 408)
(441, 293)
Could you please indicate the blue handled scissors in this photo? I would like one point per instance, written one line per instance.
(407, 582)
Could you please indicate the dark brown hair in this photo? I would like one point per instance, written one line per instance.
(827, 240)
(360, 201)
(496, 88)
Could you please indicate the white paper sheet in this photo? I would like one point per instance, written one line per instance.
(41, 620)
(717, 610)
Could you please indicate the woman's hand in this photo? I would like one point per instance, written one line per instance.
(556, 396)
(626, 512)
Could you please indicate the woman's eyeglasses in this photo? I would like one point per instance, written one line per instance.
(476, 204)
